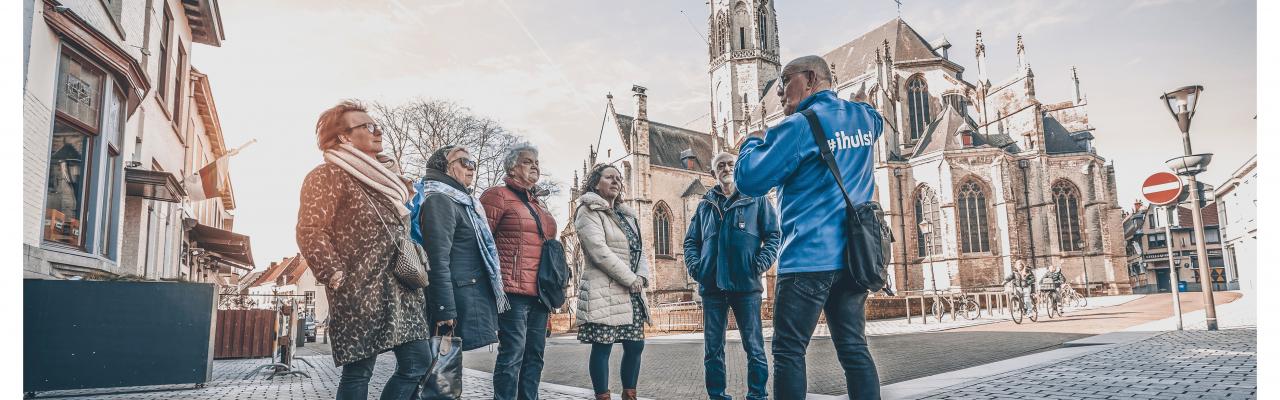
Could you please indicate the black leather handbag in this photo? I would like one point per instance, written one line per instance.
(444, 378)
(867, 253)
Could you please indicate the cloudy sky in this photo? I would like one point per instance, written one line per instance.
(543, 69)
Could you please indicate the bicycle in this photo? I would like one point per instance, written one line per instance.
(1019, 307)
(1071, 297)
(969, 307)
(1049, 299)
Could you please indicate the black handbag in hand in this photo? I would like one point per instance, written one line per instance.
(867, 252)
(444, 379)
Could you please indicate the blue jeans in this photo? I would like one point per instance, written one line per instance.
(715, 318)
(522, 337)
(801, 297)
(412, 360)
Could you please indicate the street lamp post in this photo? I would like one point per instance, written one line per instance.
(1182, 106)
(925, 228)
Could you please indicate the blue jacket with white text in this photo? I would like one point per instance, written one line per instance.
(812, 207)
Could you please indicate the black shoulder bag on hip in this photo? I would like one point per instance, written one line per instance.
(553, 269)
(867, 252)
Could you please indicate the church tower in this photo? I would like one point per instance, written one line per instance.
(743, 44)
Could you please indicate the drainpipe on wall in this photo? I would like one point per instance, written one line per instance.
(902, 227)
(1026, 197)
(146, 253)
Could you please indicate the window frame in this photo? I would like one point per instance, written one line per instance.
(975, 232)
(102, 172)
(918, 112)
(1066, 199)
(928, 246)
(662, 230)
(162, 77)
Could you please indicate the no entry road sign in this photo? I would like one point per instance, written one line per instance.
(1162, 188)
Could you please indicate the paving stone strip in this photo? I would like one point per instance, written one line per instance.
(1173, 365)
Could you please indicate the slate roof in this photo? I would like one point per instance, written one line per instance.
(859, 55)
(666, 142)
(696, 188)
(1059, 140)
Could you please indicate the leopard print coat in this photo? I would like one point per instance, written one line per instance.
(371, 312)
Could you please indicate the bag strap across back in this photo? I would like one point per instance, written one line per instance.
(537, 219)
(820, 139)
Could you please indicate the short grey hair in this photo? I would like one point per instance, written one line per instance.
(722, 155)
(510, 160)
(821, 70)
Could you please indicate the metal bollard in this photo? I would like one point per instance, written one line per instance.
(906, 301)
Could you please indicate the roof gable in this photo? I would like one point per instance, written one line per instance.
(858, 55)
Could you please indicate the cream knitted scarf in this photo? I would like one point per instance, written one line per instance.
(381, 175)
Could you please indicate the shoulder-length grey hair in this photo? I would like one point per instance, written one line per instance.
(512, 157)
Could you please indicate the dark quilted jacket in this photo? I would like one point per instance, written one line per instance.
(516, 234)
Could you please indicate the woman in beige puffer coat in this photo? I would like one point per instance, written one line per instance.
(611, 296)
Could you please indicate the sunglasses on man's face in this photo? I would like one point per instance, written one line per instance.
(371, 126)
(467, 163)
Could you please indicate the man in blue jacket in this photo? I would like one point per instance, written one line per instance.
(812, 275)
(732, 240)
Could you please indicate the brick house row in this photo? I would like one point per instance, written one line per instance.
(124, 173)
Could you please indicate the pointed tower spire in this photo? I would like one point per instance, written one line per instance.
(1075, 82)
(1022, 54)
(1030, 83)
(980, 52)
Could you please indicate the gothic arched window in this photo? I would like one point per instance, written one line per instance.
(764, 30)
(918, 106)
(971, 206)
(958, 102)
(927, 210)
(1066, 201)
(661, 230)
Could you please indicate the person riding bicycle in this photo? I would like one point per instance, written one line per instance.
(1022, 280)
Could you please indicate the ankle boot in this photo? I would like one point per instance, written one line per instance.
(604, 396)
(629, 394)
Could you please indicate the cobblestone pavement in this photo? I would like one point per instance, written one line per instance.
(1173, 365)
(899, 326)
(673, 369)
(229, 383)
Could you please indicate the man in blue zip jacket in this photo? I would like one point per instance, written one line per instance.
(812, 275)
(732, 240)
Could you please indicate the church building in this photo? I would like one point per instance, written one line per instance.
(975, 175)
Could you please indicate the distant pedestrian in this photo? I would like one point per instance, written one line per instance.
(466, 294)
(611, 300)
(812, 275)
(348, 208)
(732, 240)
(519, 222)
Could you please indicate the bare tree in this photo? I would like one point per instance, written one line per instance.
(416, 129)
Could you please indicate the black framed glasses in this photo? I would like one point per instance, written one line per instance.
(371, 126)
(467, 163)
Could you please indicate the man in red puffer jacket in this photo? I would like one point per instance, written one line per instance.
(513, 211)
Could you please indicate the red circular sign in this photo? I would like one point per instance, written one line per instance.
(1162, 188)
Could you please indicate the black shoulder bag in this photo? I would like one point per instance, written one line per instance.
(867, 252)
(553, 269)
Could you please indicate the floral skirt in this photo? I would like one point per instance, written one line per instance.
(591, 332)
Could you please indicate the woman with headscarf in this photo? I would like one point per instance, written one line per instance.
(611, 301)
(350, 217)
(465, 295)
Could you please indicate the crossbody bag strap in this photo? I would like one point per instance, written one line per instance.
(380, 220)
(820, 139)
(537, 219)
